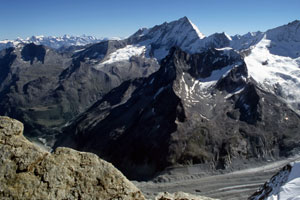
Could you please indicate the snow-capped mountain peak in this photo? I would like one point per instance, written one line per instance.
(201, 35)
(159, 39)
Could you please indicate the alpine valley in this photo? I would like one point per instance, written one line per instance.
(165, 96)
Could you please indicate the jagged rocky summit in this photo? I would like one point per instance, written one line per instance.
(29, 172)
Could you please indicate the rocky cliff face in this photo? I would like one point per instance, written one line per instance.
(28, 172)
(197, 109)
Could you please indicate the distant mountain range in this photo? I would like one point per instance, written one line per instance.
(54, 42)
(166, 95)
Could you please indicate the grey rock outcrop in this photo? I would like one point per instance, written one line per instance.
(28, 172)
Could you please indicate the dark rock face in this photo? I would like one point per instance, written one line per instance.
(216, 40)
(186, 113)
(32, 51)
(6, 60)
(248, 105)
(235, 79)
(203, 64)
(126, 123)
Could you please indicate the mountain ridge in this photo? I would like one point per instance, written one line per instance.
(186, 115)
(212, 99)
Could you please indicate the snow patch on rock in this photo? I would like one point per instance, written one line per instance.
(277, 74)
(125, 54)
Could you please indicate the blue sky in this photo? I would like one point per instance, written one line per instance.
(23, 18)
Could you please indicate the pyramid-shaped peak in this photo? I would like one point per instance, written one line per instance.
(184, 19)
(188, 23)
(160, 38)
(182, 26)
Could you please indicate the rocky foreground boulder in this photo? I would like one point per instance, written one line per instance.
(29, 172)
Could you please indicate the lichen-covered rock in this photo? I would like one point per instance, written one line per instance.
(29, 172)
(180, 196)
